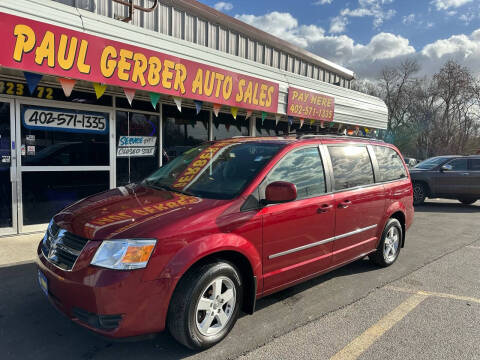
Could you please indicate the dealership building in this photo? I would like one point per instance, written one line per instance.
(96, 94)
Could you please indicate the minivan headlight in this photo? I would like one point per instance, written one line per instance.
(128, 254)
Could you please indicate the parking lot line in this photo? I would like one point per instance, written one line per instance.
(359, 345)
(473, 247)
(435, 294)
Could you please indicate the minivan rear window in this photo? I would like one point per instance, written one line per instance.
(390, 164)
(352, 166)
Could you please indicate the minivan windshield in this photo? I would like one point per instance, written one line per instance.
(431, 163)
(216, 170)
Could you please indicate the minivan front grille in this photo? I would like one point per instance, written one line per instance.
(62, 248)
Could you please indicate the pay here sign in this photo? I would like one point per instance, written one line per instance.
(310, 105)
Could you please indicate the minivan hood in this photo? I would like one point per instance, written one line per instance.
(109, 214)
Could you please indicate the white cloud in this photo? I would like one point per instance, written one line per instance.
(223, 6)
(373, 8)
(462, 48)
(322, 2)
(338, 24)
(408, 20)
(467, 18)
(284, 26)
(368, 59)
(447, 4)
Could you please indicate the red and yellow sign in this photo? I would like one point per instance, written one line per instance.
(34, 46)
(310, 105)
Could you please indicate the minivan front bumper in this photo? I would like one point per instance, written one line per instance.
(112, 303)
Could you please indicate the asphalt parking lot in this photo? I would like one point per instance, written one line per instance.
(426, 306)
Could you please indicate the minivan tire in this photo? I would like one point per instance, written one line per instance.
(467, 201)
(184, 317)
(380, 257)
(419, 193)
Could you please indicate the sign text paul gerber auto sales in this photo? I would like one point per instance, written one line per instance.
(39, 47)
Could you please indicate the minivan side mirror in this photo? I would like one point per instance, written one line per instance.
(280, 192)
(446, 167)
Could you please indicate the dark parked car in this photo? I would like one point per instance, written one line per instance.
(220, 226)
(411, 162)
(448, 177)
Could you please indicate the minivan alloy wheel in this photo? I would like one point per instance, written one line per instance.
(215, 306)
(391, 244)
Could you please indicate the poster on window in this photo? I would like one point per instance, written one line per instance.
(136, 146)
(65, 120)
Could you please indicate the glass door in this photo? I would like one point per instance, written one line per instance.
(64, 156)
(8, 210)
(137, 140)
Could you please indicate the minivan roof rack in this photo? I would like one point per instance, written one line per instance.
(323, 136)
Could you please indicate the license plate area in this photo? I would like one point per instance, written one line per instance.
(43, 281)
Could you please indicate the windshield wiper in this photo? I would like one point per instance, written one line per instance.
(165, 187)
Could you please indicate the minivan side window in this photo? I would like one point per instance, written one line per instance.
(304, 168)
(352, 166)
(390, 164)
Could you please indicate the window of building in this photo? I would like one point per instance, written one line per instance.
(351, 166)
(268, 128)
(390, 164)
(304, 168)
(183, 130)
(137, 139)
(64, 137)
(225, 126)
(45, 193)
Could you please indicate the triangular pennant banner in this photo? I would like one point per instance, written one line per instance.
(32, 80)
(198, 106)
(367, 130)
(67, 85)
(234, 111)
(312, 122)
(178, 102)
(290, 120)
(249, 113)
(216, 109)
(154, 98)
(277, 119)
(130, 94)
(227, 126)
(264, 115)
(322, 124)
(301, 123)
(331, 124)
(99, 89)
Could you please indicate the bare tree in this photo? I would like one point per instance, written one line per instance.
(429, 116)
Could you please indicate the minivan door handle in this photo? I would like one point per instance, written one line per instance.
(345, 204)
(324, 208)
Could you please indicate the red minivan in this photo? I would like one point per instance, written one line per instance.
(220, 226)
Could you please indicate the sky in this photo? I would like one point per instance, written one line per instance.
(367, 35)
